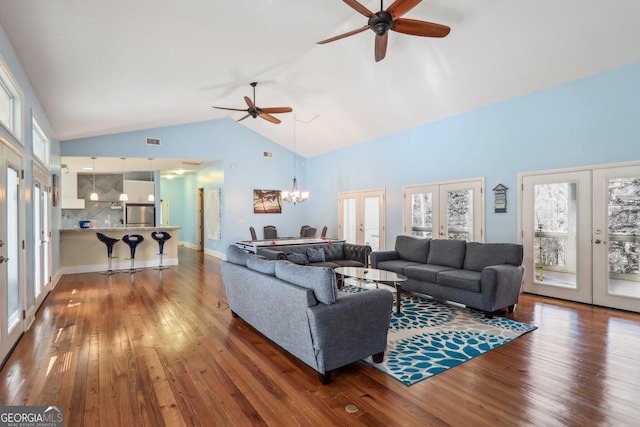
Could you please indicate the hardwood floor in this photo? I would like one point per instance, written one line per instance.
(161, 348)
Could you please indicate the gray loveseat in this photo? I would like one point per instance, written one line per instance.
(329, 254)
(300, 309)
(484, 276)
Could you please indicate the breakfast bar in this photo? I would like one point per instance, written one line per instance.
(82, 252)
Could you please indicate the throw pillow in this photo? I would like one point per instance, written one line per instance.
(315, 255)
(262, 265)
(298, 258)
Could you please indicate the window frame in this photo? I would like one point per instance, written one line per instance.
(9, 84)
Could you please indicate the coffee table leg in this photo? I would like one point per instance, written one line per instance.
(398, 297)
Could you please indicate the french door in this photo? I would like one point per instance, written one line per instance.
(42, 235)
(12, 291)
(448, 210)
(581, 236)
(361, 218)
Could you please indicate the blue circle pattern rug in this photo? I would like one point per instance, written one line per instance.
(429, 337)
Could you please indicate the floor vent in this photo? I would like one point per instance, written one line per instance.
(153, 141)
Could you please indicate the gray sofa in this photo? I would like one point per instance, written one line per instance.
(300, 309)
(329, 254)
(484, 276)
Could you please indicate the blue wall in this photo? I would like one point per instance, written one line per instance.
(241, 169)
(591, 121)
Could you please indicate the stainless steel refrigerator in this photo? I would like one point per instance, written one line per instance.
(140, 215)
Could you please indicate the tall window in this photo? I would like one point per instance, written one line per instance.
(10, 103)
(40, 143)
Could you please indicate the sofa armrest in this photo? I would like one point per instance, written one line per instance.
(380, 256)
(357, 253)
(502, 284)
(352, 328)
(272, 254)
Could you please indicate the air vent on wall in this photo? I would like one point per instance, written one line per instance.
(267, 154)
(153, 141)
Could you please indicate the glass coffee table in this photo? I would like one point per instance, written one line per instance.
(376, 276)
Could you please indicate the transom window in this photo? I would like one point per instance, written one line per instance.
(40, 143)
(10, 103)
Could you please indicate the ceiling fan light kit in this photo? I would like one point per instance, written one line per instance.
(391, 19)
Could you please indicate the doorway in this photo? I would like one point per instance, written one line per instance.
(581, 235)
(361, 218)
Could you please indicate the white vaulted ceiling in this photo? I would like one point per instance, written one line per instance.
(102, 67)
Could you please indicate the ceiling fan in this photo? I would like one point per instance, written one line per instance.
(391, 19)
(253, 111)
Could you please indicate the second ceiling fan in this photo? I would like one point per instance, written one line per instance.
(391, 19)
(254, 111)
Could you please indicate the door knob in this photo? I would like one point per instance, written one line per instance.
(3, 259)
(598, 241)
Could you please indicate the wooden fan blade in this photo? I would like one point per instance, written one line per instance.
(275, 110)
(269, 118)
(381, 46)
(230, 109)
(239, 120)
(250, 103)
(360, 8)
(341, 36)
(420, 28)
(400, 7)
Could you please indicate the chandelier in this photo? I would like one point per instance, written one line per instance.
(294, 196)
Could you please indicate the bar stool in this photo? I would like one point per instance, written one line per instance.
(160, 237)
(133, 240)
(110, 242)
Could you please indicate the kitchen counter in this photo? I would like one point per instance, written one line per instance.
(82, 252)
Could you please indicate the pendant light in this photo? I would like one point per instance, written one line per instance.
(294, 196)
(151, 197)
(123, 195)
(94, 195)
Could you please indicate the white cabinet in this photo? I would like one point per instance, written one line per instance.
(69, 192)
(138, 191)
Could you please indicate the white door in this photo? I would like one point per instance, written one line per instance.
(361, 218)
(556, 235)
(12, 292)
(616, 237)
(42, 235)
(448, 210)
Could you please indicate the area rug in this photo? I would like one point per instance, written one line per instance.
(428, 337)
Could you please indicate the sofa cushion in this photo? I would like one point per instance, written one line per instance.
(347, 263)
(321, 280)
(315, 254)
(235, 255)
(262, 265)
(449, 253)
(396, 265)
(481, 255)
(412, 248)
(298, 258)
(460, 279)
(425, 272)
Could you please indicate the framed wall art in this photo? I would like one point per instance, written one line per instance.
(267, 202)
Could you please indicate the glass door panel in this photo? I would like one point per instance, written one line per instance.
(12, 244)
(37, 241)
(459, 215)
(422, 212)
(349, 220)
(372, 222)
(616, 238)
(556, 239)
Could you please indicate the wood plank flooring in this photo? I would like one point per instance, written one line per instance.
(160, 348)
